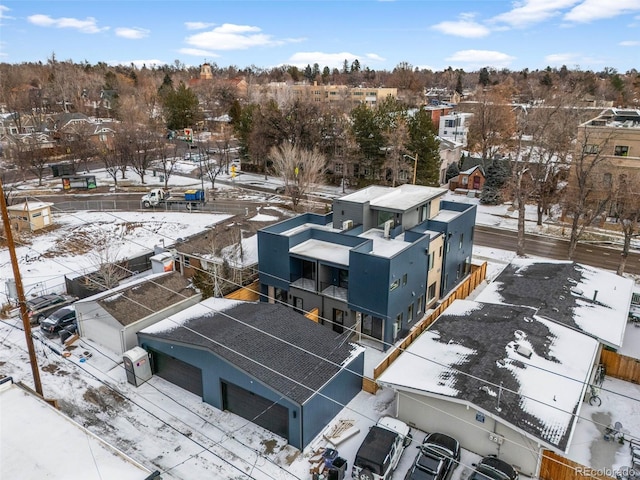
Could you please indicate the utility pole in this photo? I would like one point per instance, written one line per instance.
(20, 291)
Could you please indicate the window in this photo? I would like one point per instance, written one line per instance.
(440, 251)
(397, 326)
(339, 168)
(621, 151)
(461, 241)
(338, 320)
(424, 212)
(591, 149)
(410, 313)
(431, 260)
(343, 278)
(404, 279)
(449, 123)
(420, 303)
(394, 285)
(448, 246)
(431, 293)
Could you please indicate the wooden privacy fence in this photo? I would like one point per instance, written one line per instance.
(621, 366)
(478, 274)
(556, 467)
(250, 293)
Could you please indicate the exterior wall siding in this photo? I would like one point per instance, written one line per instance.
(332, 398)
(344, 210)
(96, 324)
(440, 415)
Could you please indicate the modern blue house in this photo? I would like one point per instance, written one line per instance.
(375, 264)
(263, 362)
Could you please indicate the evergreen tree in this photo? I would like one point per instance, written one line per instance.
(496, 177)
(425, 145)
(483, 78)
(181, 107)
(452, 171)
(459, 83)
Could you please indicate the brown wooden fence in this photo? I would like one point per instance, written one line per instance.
(556, 467)
(250, 293)
(621, 366)
(478, 274)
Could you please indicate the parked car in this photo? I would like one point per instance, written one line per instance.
(39, 308)
(58, 320)
(438, 457)
(492, 468)
(380, 452)
(68, 331)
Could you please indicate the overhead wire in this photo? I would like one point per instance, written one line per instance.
(353, 330)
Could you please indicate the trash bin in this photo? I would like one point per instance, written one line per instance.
(337, 469)
(329, 456)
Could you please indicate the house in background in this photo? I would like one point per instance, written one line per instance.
(263, 362)
(30, 216)
(113, 318)
(454, 126)
(450, 152)
(376, 264)
(501, 379)
(471, 179)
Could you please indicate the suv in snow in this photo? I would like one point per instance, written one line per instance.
(492, 468)
(58, 320)
(380, 452)
(438, 457)
(39, 307)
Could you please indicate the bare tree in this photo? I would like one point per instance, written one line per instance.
(625, 207)
(167, 156)
(109, 270)
(492, 127)
(589, 188)
(299, 169)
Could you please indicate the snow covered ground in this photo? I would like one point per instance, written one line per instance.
(164, 427)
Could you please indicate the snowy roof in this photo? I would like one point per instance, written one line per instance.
(471, 170)
(29, 206)
(445, 215)
(407, 196)
(325, 251)
(384, 247)
(366, 194)
(470, 354)
(585, 298)
(306, 226)
(140, 298)
(270, 342)
(58, 447)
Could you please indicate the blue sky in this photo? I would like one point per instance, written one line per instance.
(534, 34)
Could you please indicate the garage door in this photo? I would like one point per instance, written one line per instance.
(255, 408)
(178, 372)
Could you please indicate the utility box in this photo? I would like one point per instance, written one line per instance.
(137, 364)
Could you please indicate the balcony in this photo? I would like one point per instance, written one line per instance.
(333, 291)
(308, 284)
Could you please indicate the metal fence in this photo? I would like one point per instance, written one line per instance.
(135, 205)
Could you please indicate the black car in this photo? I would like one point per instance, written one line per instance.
(61, 318)
(492, 468)
(439, 455)
(39, 308)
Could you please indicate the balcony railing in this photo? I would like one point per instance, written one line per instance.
(333, 291)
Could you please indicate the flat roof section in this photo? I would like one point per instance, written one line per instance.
(384, 247)
(39, 442)
(407, 196)
(306, 226)
(325, 251)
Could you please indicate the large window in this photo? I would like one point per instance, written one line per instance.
(591, 149)
(431, 260)
(410, 313)
(420, 304)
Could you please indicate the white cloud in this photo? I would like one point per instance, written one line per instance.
(573, 60)
(3, 10)
(197, 25)
(235, 37)
(196, 52)
(629, 43)
(88, 25)
(331, 60)
(481, 58)
(132, 33)
(529, 12)
(590, 10)
(465, 27)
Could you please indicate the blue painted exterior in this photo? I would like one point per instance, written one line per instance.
(458, 233)
(304, 424)
(372, 290)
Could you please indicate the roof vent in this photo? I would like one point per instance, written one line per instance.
(523, 350)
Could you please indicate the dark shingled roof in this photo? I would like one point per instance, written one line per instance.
(140, 300)
(247, 335)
